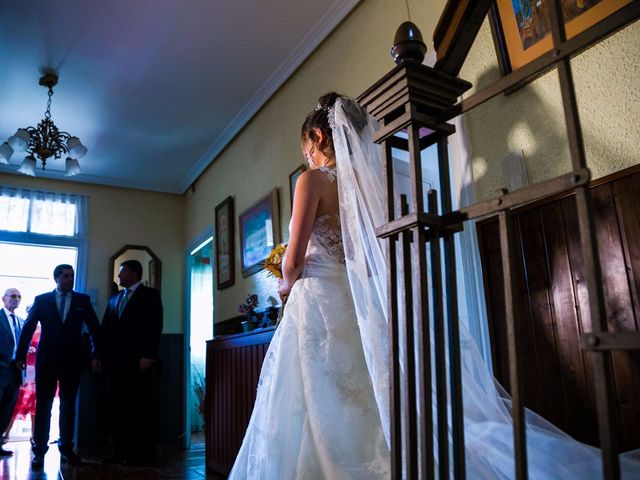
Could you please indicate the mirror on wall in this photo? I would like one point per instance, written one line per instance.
(151, 266)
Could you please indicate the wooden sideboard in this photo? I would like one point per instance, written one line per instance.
(233, 369)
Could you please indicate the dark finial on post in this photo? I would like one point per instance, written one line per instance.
(408, 44)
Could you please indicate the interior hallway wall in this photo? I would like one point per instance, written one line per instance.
(531, 120)
(121, 216)
(263, 154)
(356, 55)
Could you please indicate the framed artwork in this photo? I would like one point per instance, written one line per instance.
(224, 244)
(293, 178)
(522, 30)
(259, 232)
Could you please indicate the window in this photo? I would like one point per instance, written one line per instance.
(42, 223)
(15, 214)
(41, 212)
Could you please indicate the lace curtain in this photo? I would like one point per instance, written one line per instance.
(49, 213)
(201, 329)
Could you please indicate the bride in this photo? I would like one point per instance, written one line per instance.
(315, 414)
(322, 406)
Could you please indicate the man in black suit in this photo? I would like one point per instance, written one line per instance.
(10, 378)
(61, 314)
(131, 330)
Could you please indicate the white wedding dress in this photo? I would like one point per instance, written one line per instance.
(315, 415)
(322, 408)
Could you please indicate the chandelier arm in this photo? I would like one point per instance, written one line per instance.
(45, 139)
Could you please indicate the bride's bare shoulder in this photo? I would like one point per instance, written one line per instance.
(311, 179)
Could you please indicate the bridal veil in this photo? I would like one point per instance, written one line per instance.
(488, 426)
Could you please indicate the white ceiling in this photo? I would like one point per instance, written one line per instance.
(155, 89)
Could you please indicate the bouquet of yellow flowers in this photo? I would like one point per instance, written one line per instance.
(273, 263)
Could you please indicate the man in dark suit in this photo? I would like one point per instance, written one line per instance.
(10, 378)
(62, 314)
(131, 330)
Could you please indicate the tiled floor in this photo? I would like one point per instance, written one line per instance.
(180, 465)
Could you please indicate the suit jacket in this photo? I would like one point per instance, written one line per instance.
(6, 345)
(136, 334)
(60, 342)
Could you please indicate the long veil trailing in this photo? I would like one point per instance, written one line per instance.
(362, 208)
(487, 407)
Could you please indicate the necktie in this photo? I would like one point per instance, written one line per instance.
(16, 327)
(63, 299)
(123, 301)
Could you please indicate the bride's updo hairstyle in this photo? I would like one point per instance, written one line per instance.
(319, 119)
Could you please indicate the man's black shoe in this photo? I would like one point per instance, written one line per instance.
(37, 462)
(5, 453)
(71, 458)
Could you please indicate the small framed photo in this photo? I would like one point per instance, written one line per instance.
(259, 232)
(224, 244)
(293, 178)
(522, 30)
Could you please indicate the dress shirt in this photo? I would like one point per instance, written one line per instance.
(67, 302)
(129, 291)
(133, 287)
(13, 331)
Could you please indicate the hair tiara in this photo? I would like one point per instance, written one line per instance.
(323, 108)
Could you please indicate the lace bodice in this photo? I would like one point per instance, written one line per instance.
(326, 233)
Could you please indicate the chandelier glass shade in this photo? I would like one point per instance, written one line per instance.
(45, 141)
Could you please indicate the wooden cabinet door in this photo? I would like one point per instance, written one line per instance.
(233, 369)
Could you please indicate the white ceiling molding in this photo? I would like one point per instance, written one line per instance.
(134, 183)
(338, 11)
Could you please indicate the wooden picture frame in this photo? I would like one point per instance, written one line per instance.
(293, 178)
(151, 266)
(259, 232)
(456, 31)
(521, 37)
(225, 259)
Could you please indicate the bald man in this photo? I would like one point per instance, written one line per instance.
(10, 376)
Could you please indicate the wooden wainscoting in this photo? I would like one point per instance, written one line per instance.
(233, 369)
(171, 392)
(553, 300)
(93, 416)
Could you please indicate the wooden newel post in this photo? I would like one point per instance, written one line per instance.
(408, 101)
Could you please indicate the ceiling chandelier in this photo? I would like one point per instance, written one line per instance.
(44, 141)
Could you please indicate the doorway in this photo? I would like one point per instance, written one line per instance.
(199, 330)
(29, 268)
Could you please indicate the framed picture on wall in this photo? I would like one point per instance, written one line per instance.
(293, 178)
(259, 232)
(522, 30)
(224, 244)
